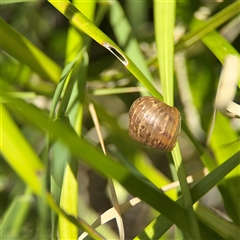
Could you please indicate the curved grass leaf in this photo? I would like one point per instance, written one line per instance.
(222, 135)
(69, 195)
(16, 149)
(31, 171)
(126, 39)
(210, 24)
(224, 228)
(24, 51)
(84, 24)
(104, 165)
(218, 45)
(164, 13)
(14, 216)
(159, 226)
(201, 30)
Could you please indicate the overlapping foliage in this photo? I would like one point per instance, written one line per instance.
(51, 105)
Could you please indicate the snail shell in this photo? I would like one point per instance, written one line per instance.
(154, 123)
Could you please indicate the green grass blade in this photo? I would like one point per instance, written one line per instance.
(164, 13)
(106, 166)
(68, 80)
(75, 39)
(70, 76)
(222, 136)
(81, 224)
(207, 160)
(59, 163)
(219, 46)
(24, 51)
(16, 149)
(15, 215)
(69, 196)
(137, 168)
(126, 39)
(128, 152)
(224, 228)
(84, 24)
(14, 1)
(68, 203)
(60, 155)
(201, 30)
(161, 224)
(123, 90)
(210, 24)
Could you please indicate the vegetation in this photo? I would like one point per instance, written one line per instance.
(69, 74)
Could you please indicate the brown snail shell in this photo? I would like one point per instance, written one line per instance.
(154, 123)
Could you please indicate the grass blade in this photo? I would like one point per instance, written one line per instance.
(164, 13)
(210, 24)
(84, 24)
(161, 224)
(27, 53)
(14, 217)
(138, 186)
(31, 166)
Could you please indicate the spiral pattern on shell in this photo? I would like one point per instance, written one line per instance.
(154, 123)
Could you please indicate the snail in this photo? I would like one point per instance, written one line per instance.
(154, 123)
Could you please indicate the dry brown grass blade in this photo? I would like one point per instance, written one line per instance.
(110, 213)
(117, 213)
